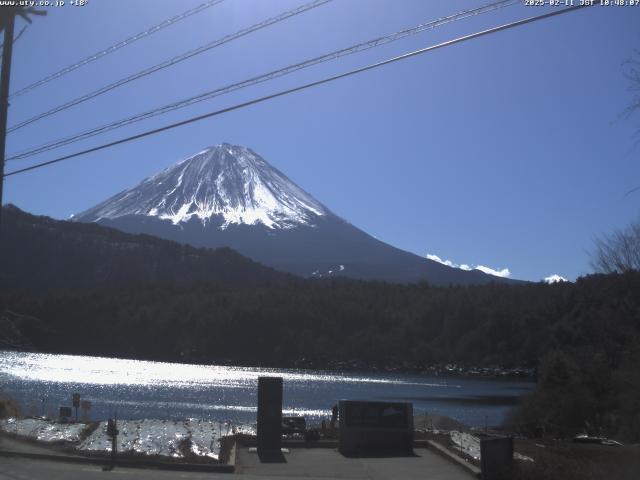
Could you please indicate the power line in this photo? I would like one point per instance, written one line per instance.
(156, 28)
(170, 62)
(7, 23)
(302, 87)
(263, 78)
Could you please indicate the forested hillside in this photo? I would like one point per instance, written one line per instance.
(39, 253)
(321, 324)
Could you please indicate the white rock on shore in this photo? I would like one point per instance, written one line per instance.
(170, 438)
(43, 430)
(161, 437)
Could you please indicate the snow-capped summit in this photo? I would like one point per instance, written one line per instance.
(228, 181)
(229, 196)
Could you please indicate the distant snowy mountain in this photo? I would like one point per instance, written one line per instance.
(228, 195)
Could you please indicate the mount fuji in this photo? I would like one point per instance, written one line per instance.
(229, 196)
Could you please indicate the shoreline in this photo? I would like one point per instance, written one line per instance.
(448, 370)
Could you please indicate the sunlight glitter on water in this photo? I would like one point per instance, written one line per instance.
(116, 371)
(133, 389)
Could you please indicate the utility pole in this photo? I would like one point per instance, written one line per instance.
(8, 22)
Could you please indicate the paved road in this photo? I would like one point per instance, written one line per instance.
(312, 463)
(318, 464)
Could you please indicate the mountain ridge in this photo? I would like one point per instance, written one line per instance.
(228, 195)
(41, 253)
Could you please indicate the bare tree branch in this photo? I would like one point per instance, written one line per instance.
(631, 72)
(618, 252)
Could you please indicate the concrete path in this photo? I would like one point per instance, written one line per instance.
(311, 464)
(322, 463)
(306, 463)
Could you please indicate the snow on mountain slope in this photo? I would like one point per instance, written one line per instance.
(229, 181)
(228, 196)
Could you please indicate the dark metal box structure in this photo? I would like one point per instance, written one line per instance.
(375, 428)
(496, 457)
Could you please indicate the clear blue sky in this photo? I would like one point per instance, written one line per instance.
(506, 151)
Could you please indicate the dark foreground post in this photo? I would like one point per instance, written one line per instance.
(112, 431)
(269, 418)
(7, 21)
(496, 457)
(76, 403)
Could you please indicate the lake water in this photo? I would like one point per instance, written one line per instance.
(141, 389)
